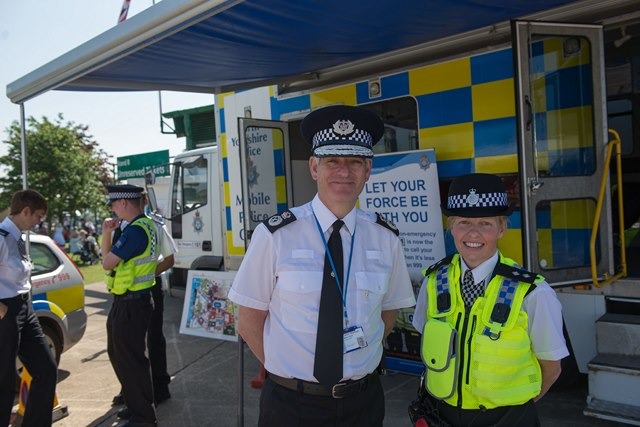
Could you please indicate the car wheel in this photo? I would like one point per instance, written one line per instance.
(55, 346)
(53, 341)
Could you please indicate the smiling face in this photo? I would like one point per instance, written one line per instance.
(340, 180)
(476, 239)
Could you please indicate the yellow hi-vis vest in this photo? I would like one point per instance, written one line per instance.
(480, 359)
(137, 273)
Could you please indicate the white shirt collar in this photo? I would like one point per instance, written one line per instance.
(326, 218)
(483, 271)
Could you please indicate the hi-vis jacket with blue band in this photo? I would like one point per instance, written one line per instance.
(138, 273)
(480, 358)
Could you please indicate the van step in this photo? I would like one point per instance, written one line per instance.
(618, 333)
(615, 378)
(612, 411)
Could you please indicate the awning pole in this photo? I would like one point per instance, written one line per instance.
(23, 146)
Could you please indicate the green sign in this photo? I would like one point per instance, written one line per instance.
(136, 166)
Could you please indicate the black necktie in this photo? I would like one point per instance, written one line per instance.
(470, 290)
(22, 249)
(327, 367)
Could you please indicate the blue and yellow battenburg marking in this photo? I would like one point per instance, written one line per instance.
(466, 112)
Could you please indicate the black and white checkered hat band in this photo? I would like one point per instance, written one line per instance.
(124, 195)
(358, 137)
(477, 200)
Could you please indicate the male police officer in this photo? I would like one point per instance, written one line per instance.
(131, 264)
(320, 286)
(20, 331)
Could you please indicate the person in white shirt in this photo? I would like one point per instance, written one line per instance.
(321, 284)
(20, 332)
(492, 335)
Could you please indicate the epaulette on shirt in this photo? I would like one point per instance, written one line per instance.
(437, 265)
(4, 232)
(387, 224)
(515, 273)
(279, 220)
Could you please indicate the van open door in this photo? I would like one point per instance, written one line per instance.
(264, 159)
(562, 136)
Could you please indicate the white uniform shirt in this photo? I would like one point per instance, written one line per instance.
(166, 244)
(541, 305)
(282, 273)
(14, 271)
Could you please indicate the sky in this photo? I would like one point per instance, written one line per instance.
(34, 32)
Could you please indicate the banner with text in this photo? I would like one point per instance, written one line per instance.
(404, 188)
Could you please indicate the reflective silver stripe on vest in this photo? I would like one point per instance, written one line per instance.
(139, 261)
(146, 278)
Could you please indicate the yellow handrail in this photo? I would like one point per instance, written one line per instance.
(596, 222)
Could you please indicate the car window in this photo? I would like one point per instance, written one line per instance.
(44, 260)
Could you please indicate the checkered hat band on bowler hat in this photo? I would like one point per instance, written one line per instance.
(460, 201)
(358, 135)
(124, 195)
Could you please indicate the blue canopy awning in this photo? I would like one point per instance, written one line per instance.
(216, 45)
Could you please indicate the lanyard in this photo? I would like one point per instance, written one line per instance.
(343, 292)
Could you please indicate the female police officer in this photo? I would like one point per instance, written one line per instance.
(492, 332)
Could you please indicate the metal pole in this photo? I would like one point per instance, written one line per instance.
(23, 147)
(240, 381)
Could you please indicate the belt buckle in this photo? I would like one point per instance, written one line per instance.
(335, 391)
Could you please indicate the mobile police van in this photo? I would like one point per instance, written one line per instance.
(535, 110)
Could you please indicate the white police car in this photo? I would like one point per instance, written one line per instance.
(58, 294)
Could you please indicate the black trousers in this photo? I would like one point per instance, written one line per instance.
(280, 406)
(21, 335)
(525, 415)
(157, 343)
(127, 326)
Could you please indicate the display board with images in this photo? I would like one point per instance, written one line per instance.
(207, 310)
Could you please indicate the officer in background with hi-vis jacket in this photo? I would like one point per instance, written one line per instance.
(156, 341)
(130, 265)
(492, 336)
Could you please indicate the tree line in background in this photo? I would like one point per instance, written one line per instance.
(64, 163)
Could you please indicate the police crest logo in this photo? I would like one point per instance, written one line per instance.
(343, 127)
(472, 198)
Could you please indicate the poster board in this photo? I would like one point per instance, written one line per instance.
(404, 188)
(207, 311)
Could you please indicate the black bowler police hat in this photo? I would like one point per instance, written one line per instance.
(123, 191)
(341, 130)
(477, 195)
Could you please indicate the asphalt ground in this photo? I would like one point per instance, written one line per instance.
(204, 380)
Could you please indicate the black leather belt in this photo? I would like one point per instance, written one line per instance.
(129, 295)
(22, 297)
(338, 391)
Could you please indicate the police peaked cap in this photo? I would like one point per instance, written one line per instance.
(477, 195)
(123, 191)
(342, 130)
